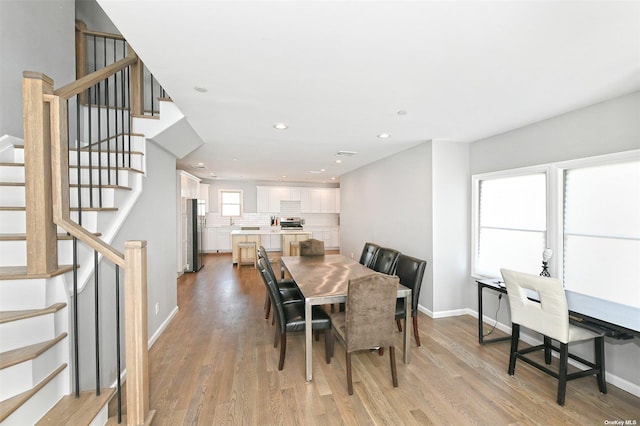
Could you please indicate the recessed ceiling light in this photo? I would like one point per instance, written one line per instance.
(333, 178)
(315, 171)
(384, 135)
(402, 112)
(280, 126)
(338, 161)
(200, 89)
(198, 166)
(345, 153)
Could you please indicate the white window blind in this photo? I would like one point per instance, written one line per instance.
(601, 241)
(230, 203)
(512, 224)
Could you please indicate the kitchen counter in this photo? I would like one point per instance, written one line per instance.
(266, 237)
(268, 232)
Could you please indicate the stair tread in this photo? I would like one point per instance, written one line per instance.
(23, 237)
(11, 183)
(17, 356)
(104, 167)
(77, 411)
(8, 316)
(8, 406)
(20, 272)
(110, 151)
(4, 163)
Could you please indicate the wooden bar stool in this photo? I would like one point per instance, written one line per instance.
(294, 248)
(247, 245)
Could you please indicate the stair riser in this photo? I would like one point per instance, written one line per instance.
(12, 155)
(12, 222)
(31, 411)
(17, 334)
(12, 174)
(14, 253)
(22, 377)
(16, 295)
(104, 177)
(14, 196)
(107, 159)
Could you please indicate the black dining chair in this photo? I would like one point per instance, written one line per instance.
(287, 287)
(410, 270)
(369, 252)
(385, 261)
(290, 317)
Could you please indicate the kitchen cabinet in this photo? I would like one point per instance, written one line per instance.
(329, 234)
(223, 241)
(269, 197)
(271, 242)
(203, 195)
(288, 238)
(319, 200)
(235, 239)
(211, 240)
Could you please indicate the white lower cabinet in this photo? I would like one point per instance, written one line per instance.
(329, 234)
(211, 240)
(224, 241)
(271, 242)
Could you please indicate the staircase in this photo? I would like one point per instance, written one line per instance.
(35, 347)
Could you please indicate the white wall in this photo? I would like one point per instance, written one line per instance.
(152, 219)
(451, 212)
(34, 36)
(389, 203)
(603, 128)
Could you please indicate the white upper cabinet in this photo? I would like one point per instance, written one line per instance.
(320, 200)
(269, 197)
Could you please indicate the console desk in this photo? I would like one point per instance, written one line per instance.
(622, 322)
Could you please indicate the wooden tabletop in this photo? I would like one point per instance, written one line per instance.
(324, 276)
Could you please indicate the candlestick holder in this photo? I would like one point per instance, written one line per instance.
(545, 270)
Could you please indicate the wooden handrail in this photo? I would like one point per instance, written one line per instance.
(81, 27)
(60, 181)
(95, 77)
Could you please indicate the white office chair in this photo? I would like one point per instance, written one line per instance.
(549, 317)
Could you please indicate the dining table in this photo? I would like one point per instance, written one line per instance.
(325, 280)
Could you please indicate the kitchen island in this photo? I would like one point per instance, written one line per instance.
(271, 239)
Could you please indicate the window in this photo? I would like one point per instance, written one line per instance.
(510, 218)
(587, 211)
(230, 203)
(601, 231)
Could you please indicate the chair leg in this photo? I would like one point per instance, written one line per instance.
(394, 371)
(416, 333)
(599, 351)
(267, 307)
(547, 350)
(349, 378)
(562, 373)
(283, 350)
(328, 352)
(515, 336)
(399, 324)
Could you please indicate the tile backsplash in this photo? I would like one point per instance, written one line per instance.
(264, 219)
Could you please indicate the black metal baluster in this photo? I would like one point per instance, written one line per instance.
(96, 281)
(118, 371)
(76, 345)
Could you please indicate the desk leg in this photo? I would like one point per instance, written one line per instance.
(406, 335)
(308, 349)
(480, 331)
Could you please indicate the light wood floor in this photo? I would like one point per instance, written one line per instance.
(216, 365)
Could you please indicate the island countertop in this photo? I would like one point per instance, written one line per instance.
(268, 232)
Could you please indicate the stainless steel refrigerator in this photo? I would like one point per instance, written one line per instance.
(195, 237)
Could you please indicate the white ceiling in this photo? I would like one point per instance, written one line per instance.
(338, 73)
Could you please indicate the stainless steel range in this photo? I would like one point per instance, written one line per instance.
(291, 223)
